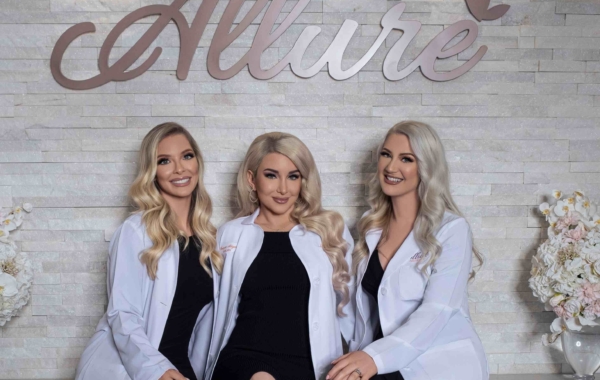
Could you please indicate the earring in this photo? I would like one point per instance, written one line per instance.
(253, 198)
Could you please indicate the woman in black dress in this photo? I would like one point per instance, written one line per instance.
(413, 260)
(285, 288)
(163, 271)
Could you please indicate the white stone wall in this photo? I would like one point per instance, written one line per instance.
(524, 121)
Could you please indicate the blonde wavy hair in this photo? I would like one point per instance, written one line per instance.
(308, 212)
(433, 190)
(158, 217)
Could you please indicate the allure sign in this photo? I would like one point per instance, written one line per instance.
(189, 36)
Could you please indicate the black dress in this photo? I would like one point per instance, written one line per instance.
(271, 332)
(194, 291)
(370, 283)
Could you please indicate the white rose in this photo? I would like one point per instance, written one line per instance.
(541, 288)
(574, 264)
(573, 306)
(589, 314)
(8, 285)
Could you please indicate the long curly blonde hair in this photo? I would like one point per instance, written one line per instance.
(433, 190)
(308, 212)
(158, 217)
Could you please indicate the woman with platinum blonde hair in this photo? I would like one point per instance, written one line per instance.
(413, 262)
(163, 271)
(285, 289)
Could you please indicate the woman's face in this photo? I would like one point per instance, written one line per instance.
(177, 167)
(397, 167)
(277, 182)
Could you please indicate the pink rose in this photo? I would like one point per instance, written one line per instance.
(561, 312)
(568, 220)
(576, 234)
(588, 293)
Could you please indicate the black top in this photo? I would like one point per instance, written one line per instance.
(370, 283)
(194, 291)
(271, 332)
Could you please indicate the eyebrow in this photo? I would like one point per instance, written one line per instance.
(297, 171)
(401, 154)
(168, 155)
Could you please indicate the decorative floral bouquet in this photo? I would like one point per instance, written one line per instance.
(16, 274)
(566, 269)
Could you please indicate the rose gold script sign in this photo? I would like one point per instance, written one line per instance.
(190, 35)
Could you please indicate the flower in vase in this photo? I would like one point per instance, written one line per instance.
(577, 233)
(9, 223)
(573, 307)
(561, 312)
(545, 208)
(8, 285)
(588, 313)
(588, 293)
(4, 234)
(556, 300)
(562, 208)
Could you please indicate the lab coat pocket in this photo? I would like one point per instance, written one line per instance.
(411, 282)
(440, 363)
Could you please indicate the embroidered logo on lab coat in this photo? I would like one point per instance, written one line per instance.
(416, 257)
(226, 249)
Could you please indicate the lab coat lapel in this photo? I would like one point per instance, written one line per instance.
(372, 239)
(250, 243)
(163, 293)
(407, 251)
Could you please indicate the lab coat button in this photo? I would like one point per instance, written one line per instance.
(317, 281)
(316, 326)
(383, 291)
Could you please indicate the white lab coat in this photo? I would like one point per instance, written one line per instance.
(125, 345)
(427, 329)
(240, 241)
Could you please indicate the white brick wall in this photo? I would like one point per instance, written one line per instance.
(524, 121)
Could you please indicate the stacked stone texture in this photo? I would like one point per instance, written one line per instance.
(524, 121)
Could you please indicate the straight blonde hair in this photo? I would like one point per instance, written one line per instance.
(158, 217)
(308, 212)
(433, 190)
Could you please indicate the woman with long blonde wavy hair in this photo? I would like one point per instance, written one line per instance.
(163, 271)
(285, 290)
(413, 262)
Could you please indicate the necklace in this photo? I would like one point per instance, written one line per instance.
(280, 229)
(381, 253)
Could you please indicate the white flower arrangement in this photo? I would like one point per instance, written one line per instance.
(565, 274)
(16, 274)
